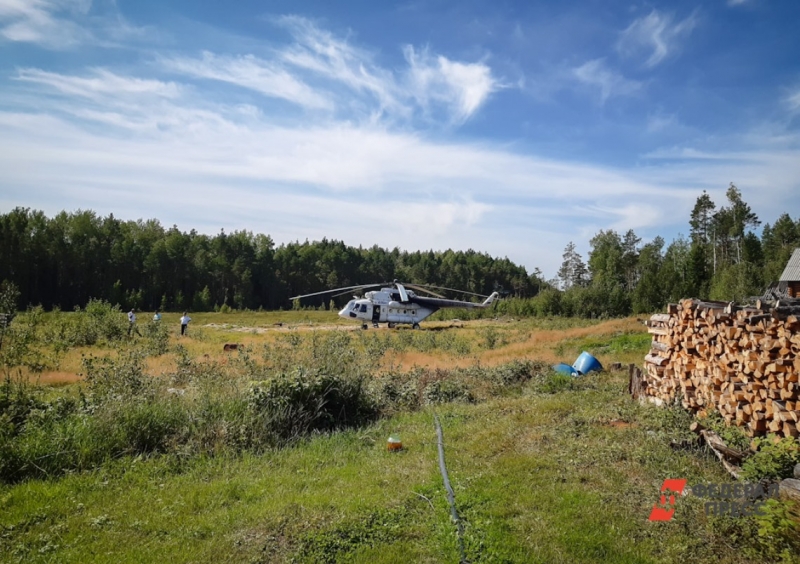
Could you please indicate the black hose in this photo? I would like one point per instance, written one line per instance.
(451, 496)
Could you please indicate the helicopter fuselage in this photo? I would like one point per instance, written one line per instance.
(385, 307)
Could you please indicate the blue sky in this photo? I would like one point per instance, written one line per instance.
(506, 127)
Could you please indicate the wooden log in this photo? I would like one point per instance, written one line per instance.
(636, 382)
(661, 347)
(660, 317)
(722, 451)
(657, 360)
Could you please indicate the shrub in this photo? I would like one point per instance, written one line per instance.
(156, 337)
(292, 405)
(396, 391)
(774, 460)
(446, 391)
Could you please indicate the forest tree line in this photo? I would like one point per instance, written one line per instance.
(65, 260)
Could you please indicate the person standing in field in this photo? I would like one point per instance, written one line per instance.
(157, 316)
(131, 321)
(185, 319)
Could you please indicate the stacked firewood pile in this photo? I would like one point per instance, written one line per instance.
(743, 361)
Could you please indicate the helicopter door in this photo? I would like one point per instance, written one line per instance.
(376, 313)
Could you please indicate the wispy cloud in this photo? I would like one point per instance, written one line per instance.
(234, 162)
(611, 83)
(250, 72)
(101, 82)
(320, 52)
(737, 2)
(65, 24)
(168, 145)
(461, 87)
(655, 36)
(45, 22)
(322, 71)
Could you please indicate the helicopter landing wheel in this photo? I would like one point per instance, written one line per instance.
(364, 326)
(390, 325)
(415, 326)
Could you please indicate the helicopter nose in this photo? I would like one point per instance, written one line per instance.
(343, 313)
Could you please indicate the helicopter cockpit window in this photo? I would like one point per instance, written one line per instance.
(363, 308)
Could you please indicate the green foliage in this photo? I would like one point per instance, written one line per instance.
(293, 405)
(556, 382)
(18, 399)
(446, 391)
(736, 283)
(9, 298)
(64, 261)
(99, 322)
(156, 336)
(774, 460)
(490, 337)
(733, 436)
(777, 537)
(20, 342)
(110, 379)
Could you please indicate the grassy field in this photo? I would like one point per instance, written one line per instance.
(439, 344)
(545, 468)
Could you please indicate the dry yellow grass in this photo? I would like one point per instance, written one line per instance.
(525, 342)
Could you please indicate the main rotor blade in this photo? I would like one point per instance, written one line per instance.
(341, 294)
(403, 293)
(344, 288)
(453, 290)
(421, 289)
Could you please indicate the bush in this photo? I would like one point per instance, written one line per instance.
(293, 405)
(99, 322)
(396, 391)
(774, 460)
(119, 379)
(447, 391)
(156, 337)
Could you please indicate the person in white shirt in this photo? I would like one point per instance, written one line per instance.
(157, 316)
(185, 319)
(131, 321)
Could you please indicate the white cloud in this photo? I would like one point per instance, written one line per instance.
(102, 83)
(596, 73)
(793, 100)
(737, 2)
(461, 87)
(321, 71)
(250, 72)
(43, 21)
(655, 34)
(65, 24)
(321, 53)
(231, 167)
(139, 146)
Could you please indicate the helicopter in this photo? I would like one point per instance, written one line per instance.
(393, 304)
